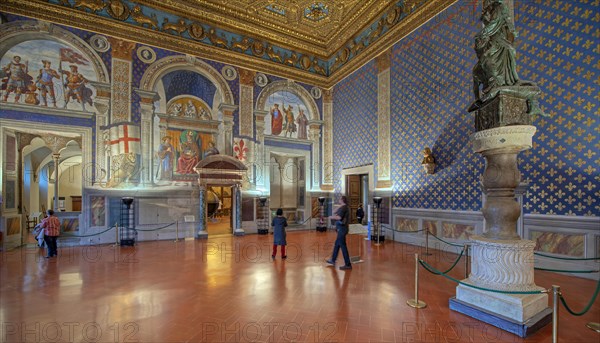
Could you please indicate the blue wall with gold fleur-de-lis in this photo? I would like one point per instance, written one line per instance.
(431, 87)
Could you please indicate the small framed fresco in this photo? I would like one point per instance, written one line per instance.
(10, 161)
(301, 171)
(98, 211)
(13, 226)
(10, 195)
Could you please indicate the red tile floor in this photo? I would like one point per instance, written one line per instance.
(227, 289)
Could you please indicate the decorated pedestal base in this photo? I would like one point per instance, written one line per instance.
(501, 260)
(202, 234)
(503, 266)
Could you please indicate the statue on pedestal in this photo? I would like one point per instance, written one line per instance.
(496, 71)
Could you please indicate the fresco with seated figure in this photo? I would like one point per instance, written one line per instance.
(180, 151)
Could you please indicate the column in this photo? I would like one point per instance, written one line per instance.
(147, 100)
(314, 135)
(327, 163)
(383, 120)
(246, 121)
(227, 111)
(23, 140)
(102, 106)
(55, 144)
(121, 79)
(201, 232)
(237, 215)
(56, 158)
(259, 153)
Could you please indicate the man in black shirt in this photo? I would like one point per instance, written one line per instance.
(342, 217)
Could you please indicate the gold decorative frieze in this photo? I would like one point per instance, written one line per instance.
(255, 39)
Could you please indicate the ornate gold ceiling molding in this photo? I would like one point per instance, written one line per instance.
(421, 16)
(327, 38)
(82, 20)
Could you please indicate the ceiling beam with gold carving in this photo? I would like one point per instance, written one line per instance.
(230, 34)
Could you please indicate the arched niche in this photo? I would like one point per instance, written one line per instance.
(162, 67)
(291, 87)
(20, 31)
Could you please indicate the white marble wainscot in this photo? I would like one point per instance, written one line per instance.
(585, 228)
(436, 217)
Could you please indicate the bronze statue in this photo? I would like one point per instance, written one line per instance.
(496, 71)
(493, 45)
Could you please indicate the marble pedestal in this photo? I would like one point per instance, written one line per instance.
(505, 265)
(501, 260)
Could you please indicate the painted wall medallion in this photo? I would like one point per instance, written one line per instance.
(261, 79)
(146, 54)
(316, 92)
(99, 43)
(229, 73)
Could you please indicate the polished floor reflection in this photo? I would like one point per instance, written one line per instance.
(227, 289)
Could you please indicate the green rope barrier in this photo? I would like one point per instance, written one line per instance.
(455, 262)
(566, 271)
(432, 270)
(408, 231)
(159, 228)
(567, 258)
(95, 234)
(439, 239)
(587, 308)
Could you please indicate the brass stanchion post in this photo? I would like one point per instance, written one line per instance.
(593, 326)
(555, 292)
(177, 231)
(416, 303)
(117, 243)
(427, 243)
(466, 249)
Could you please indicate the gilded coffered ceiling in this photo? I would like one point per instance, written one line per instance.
(314, 41)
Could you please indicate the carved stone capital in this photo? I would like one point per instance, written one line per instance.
(55, 143)
(246, 76)
(515, 136)
(122, 49)
(227, 109)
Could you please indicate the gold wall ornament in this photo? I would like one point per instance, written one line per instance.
(121, 49)
(292, 59)
(318, 68)
(273, 55)
(216, 40)
(305, 62)
(258, 49)
(196, 31)
(179, 27)
(138, 16)
(357, 47)
(247, 77)
(428, 162)
(392, 15)
(92, 5)
(242, 45)
(118, 10)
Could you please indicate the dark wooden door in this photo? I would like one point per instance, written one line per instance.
(353, 194)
